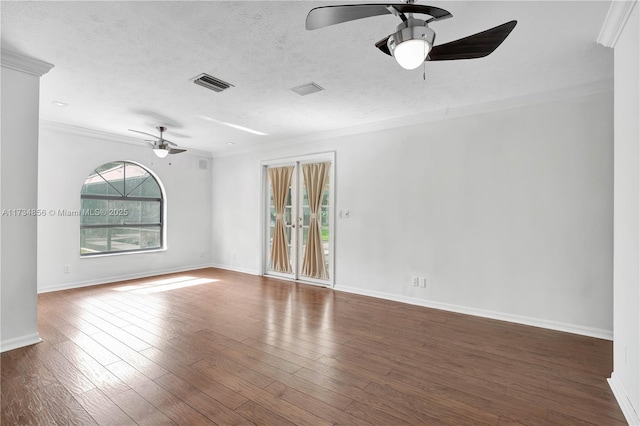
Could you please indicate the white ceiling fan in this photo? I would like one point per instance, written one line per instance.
(161, 146)
(413, 42)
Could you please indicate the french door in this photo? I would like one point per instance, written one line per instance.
(298, 219)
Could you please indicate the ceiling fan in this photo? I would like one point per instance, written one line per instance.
(161, 146)
(412, 43)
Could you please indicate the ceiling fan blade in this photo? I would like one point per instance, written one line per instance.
(474, 46)
(176, 151)
(144, 133)
(382, 45)
(324, 16)
(435, 12)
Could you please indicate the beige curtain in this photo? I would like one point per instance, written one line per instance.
(280, 178)
(315, 179)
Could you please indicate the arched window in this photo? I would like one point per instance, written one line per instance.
(121, 211)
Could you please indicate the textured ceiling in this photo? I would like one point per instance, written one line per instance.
(121, 65)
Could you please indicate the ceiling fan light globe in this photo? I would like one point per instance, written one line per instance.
(161, 152)
(411, 44)
(411, 54)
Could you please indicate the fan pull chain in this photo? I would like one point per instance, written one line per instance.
(424, 63)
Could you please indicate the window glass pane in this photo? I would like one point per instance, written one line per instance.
(134, 238)
(93, 241)
(288, 201)
(150, 212)
(109, 240)
(149, 188)
(119, 211)
(95, 185)
(134, 177)
(150, 237)
(90, 212)
(306, 215)
(324, 216)
(134, 211)
(124, 239)
(113, 173)
(287, 215)
(133, 185)
(109, 167)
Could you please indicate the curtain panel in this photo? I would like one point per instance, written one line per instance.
(315, 179)
(280, 178)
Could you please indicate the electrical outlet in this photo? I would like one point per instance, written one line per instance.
(414, 281)
(67, 269)
(201, 254)
(423, 282)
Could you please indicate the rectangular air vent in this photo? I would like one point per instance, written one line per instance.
(210, 82)
(203, 164)
(307, 89)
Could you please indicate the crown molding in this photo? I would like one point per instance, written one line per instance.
(106, 136)
(26, 64)
(594, 88)
(85, 132)
(616, 19)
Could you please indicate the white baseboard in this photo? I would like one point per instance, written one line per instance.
(623, 401)
(117, 278)
(235, 269)
(519, 319)
(19, 342)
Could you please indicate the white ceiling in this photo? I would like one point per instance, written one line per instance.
(121, 65)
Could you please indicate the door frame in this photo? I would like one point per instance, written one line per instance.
(329, 156)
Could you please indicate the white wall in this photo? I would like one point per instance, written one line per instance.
(19, 164)
(66, 157)
(508, 213)
(626, 366)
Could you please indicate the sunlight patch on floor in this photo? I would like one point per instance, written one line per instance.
(158, 286)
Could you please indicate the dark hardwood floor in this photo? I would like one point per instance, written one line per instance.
(218, 347)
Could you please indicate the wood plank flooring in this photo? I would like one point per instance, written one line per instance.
(213, 347)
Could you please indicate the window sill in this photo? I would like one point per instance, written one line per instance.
(122, 253)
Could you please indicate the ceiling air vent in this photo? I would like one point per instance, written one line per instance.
(307, 89)
(210, 82)
(203, 164)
